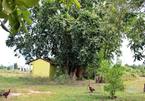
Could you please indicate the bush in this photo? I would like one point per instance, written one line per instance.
(62, 79)
(114, 80)
(136, 70)
(113, 77)
(90, 72)
(142, 71)
(130, 75)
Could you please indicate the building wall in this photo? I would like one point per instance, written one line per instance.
(52, 71)
(41, 68)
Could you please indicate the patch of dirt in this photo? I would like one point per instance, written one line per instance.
(39, 92)
(30, 92)
(15, 94)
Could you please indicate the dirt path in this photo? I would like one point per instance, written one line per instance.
(30, 92)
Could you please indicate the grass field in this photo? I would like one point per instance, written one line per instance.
(25, 88)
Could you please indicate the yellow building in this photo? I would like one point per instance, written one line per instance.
(42, 68)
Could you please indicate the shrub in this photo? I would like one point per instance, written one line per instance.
(129, 74)
(114, 80)
(62, 79)
(90, 72)
(112, 76)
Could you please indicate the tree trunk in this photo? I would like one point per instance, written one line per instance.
(72, 72)
(79, 73)
(76, 73)
(113, 94)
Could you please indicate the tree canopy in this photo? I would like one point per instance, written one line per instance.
(75, 38)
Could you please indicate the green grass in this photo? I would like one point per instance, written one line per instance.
(75, 91)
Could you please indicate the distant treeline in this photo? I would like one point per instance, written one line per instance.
(15, 66)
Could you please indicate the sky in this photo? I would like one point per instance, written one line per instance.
(127, 54)
(7, 54)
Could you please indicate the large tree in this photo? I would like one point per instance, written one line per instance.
(58, 34)
(74, 37)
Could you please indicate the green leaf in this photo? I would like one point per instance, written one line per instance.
(77, 3)
(14, 22)
(26, 15)
(3, 15)
(50, 1)
(24, 27)
(7, 7)
(29, 21)
(69, 3)
(26, 3)
(0, 5)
